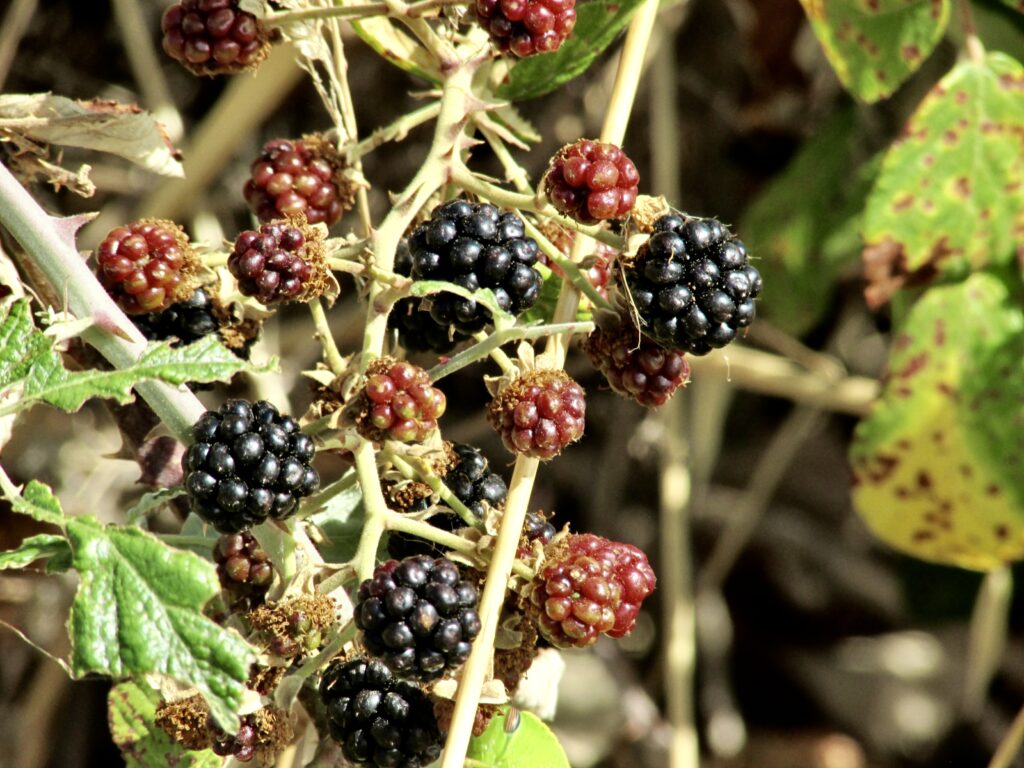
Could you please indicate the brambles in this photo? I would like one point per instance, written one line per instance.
(378, 719)
(526, 27)
(539, 413)
(248, 462)
(214, 37)
(398, 402)
(691, 284)
(146, 266)
(418, 615)
(283, 261)
(592, 181)
(589, 586)
(634, 366)
(300, 176)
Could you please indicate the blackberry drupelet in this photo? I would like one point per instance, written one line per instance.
(241, 745)
(280, 262)
(691, 284)
(472, 481)
(526, 27)
(475, 246)
(214, 37)
(248, 462)
(378, 719)
(418, 616)
(243, 566)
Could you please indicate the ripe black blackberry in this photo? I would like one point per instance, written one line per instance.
(418, 616)
(692, 285)
(474, 246)
(185, 321)
(377, 719)
(248, 462)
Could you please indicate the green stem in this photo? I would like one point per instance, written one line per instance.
(568, 267)
(53, 253)
(498, 355)
(1011, 744)
(324, 495)
(376, 511)
(396, 131)
(514, 172)
(412, 471)
(323, 331)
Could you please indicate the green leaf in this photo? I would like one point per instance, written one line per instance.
(131, 712)
(150, 503)
(598, 22)
(529, 745)
(32, 549)
(38, 502)
(138, 611)
(31, 370)
(804, 228)
(341, 523)
(937, 464)
(874, 45)
(950, 197)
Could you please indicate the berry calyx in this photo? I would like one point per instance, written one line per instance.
(214, 37)
(398, 402)
(378, 719)
(539, 413)
(293, 176)
(418, 616)
(526, 27)
(283, 261)
(146, 266)
(592, 181)
(248, 462)
(691, 284)
(635, 366)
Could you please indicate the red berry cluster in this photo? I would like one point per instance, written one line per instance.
(146, 266)
(526, 27)
(592, 181)
(589, 586)
(400, 403)
(635, 366)
(242, 564)
(273, 264)
(301, 176)
(213, 37)
(539, 413)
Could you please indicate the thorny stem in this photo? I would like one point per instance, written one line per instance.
(972, 43)
(376, 510)
(323, 331)
(361, 10)
(569, 268)
(414, 471)
(324, 495)
(514, 172)
(396, 131)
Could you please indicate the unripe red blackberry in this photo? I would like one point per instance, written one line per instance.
(398, 402)
(592, 181)
(539, 413)
(283, 261)
(691, 284)
(214, 37)
(635, 366)
(293, 176)
(243, 566)
(241, 745)
(378, 719)
(419, 616)
(146, 266)
(526, 27)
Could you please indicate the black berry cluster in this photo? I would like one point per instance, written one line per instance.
(473, 246)
(185, 321)
(692, 285)
(418, 616)
(378, 719)
(248, 462)
(472, 481)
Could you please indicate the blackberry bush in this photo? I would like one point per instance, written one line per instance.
(214, 37)
(539, 413)
(378, 719)
(692, 285)
(592, 181)
(248, 462)
(419, 616)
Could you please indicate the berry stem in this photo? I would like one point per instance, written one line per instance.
(316, 502)
(568, 267)
(1010, 746)
(497, 339)
(323, 332)
(416, 471)
(396, 131)
(49, 246)
(497, 355)
(514, 172)
(376, 507)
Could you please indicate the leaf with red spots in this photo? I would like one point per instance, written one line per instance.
(938, 464)
(874, 45)
(950, 198)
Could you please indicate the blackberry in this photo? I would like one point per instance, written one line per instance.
(377, 719)
(634, 366)
(214, 37)
(474, 246)
(592, 181)
(299, 176)
(526, 27)
(185, 321)
(410, 317)
(691, 284)
(283, 261)
(418, 616)
(248, 462)
(539, 414)
(398, 402)
(243, 566)
(147, 265)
